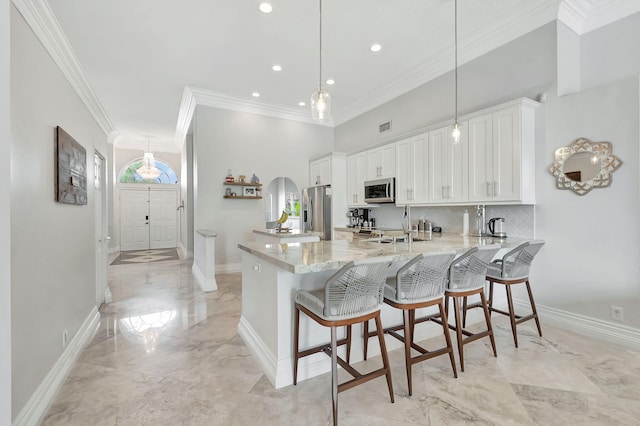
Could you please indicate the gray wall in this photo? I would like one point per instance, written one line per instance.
(5, 207)
(504, 74)
(246, 143)
(610, 53)
(52, 244)
(590, 260)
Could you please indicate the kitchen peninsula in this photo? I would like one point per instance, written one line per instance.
(272, 273)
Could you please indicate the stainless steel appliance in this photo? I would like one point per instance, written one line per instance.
(497, 227)
(316, 210)
(380, 191)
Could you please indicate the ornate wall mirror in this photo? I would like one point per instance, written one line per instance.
(584, 165)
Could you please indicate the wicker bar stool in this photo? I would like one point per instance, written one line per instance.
(420, 283)
(512, 269)
(466, 278)
(350, 296)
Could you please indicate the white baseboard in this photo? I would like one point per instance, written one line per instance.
(229, 268)
(36, 408)
(206, 284)
(183, 253)
(259, 349)
(587, 326)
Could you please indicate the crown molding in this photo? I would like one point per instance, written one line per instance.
(185, 114)
(583, 16)
(193, 97)
(472, 47)
(40, 18)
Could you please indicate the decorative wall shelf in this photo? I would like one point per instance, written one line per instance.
(248, 191)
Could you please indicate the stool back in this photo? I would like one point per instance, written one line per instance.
(424, 277)
(517, 262)
(357, 288)
(468, 272)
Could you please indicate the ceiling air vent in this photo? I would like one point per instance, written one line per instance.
(384, 127)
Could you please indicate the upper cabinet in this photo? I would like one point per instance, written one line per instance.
(412, 178)
(381, 162)
(448, 166)
(320, 171)
(501, 154)
(356, 175)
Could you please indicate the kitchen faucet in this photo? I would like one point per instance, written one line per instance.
(406, 222)
(480, 220)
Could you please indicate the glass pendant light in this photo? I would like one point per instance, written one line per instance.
(455, 132)
(148, 170)
(320, 99)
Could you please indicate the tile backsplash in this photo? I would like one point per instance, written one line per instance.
(519, 219)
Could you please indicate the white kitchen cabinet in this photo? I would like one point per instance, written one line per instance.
(381, 162)
(501, 154)
(320, 171)
(448, 166)
(412, 177)
(356, 175)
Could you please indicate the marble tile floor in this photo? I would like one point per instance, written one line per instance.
(167, 354)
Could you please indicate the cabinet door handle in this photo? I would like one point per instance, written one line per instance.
(488, 189)
(443, 196)
(448, 192)
(495, 188)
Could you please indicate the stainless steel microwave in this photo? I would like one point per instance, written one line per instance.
(380, 191)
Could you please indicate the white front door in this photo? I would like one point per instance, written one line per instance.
(163, 216)
(134, 218)
(149, 218)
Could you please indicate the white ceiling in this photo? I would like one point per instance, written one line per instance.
(138, 56)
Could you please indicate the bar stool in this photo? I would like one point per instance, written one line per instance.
(512, 269)
(350, 296)
(467, 278)
(420, 283)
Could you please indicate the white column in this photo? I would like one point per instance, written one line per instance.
(204, 260)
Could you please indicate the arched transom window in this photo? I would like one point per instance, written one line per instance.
(167, 174)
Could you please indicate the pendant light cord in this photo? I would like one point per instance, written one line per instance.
(455, 27)
(320, 85)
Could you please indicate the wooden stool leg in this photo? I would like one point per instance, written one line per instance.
(348, 343)
(295, 346)
(447, 337)
(334, 374)
(464, 312)
(490, 294)
(512, 315)
(487, 317)
(456, 313)
(385, 357)
(408, 338)
(366, 338)
(533, 308)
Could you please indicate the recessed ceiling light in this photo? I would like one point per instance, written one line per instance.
(265, 7)
(276, 68)
(302, 103)
(331, 81)
(255, 94)
(375, 48)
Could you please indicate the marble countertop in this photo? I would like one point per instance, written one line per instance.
(300, 258)
(291, 234)
(207, 233)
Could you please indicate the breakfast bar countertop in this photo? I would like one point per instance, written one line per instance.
(301, 258)
(292, 233)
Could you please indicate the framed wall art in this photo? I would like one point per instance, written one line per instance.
(71, 169)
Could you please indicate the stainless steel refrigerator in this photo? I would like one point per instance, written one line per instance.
(316, 210)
